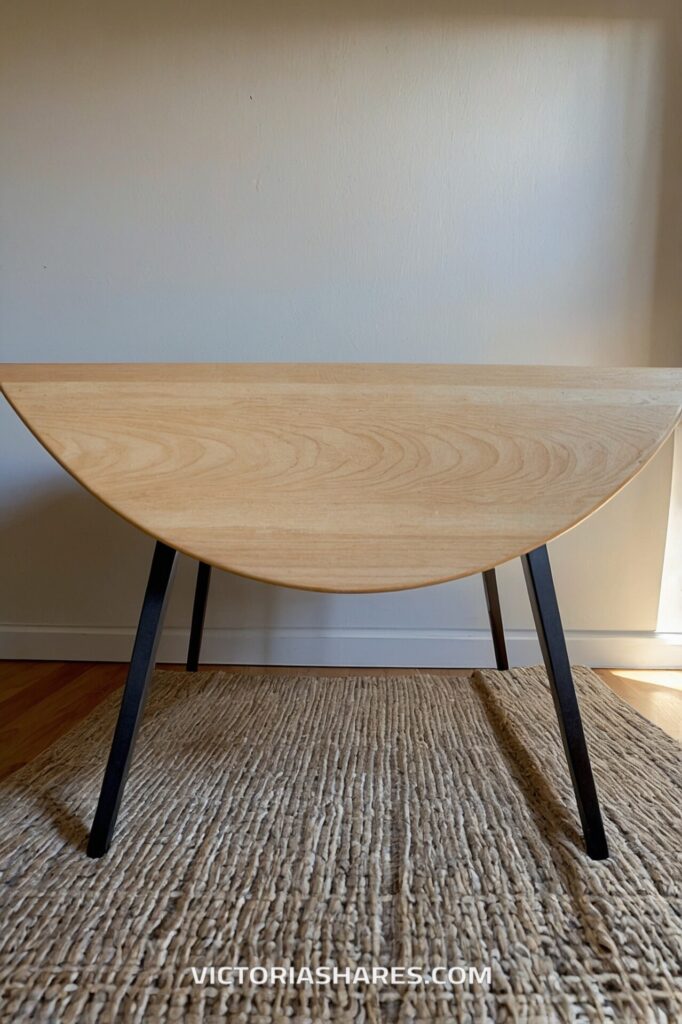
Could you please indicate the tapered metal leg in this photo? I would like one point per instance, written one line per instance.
(492, 600)
(198, 616)
(543, 600)
(132, 703)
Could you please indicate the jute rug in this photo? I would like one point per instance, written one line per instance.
(355, 823)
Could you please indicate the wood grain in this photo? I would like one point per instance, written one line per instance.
(42, 700)
(354, 477)
(656, 694)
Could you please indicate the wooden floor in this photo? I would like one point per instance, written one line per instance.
(41, 700)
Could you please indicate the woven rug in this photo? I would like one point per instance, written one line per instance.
(351, 824)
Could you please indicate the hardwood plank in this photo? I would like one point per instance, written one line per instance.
(23, 688)
(656, 694)
(15, 675)
(50, 706)
(349, 478)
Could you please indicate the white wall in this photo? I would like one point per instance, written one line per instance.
(380, 181)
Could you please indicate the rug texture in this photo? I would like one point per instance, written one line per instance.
(346, 823)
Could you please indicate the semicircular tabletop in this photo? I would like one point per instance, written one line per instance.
(348, 477)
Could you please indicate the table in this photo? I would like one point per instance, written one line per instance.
(351, 478)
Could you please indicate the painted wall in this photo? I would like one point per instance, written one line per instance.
(334, 181)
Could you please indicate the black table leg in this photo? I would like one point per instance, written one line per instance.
(492, 600)
(132, 702)
(543, 600)
(198, 616)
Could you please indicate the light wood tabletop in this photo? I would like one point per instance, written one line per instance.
(353, 477)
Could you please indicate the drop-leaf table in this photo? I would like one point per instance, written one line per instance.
(352, 478)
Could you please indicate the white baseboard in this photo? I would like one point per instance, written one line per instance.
(388, 648)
